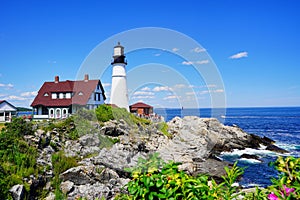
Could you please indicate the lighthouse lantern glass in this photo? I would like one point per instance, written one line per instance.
(117, 51)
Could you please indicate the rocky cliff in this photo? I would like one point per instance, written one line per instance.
(100, 172)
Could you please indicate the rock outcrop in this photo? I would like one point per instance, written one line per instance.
(193, 141)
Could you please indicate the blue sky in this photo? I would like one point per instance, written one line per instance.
(253, 44)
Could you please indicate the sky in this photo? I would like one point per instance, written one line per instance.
(245, 53)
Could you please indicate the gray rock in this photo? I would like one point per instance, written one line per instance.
(66, 186)
(79, 175)
(89, 140)
(18, 192)
(51, 196)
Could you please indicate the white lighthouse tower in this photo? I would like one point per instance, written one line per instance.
(119, 95)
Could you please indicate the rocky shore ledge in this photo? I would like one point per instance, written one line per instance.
(193, 141)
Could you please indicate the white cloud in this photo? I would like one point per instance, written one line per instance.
(142, 97)
(17, 98)
(146, 89)
(211, 86)
(187, 63)
(143, 93)
(175, 49)
(179, 86)
(170, 97)
(219, 91)
(239, 55)
(203, 92)
(211, 91)
(161, 88)
(106, 84)
(6, 86)
(199, 62)
(190, 93)
(29, 94)
(198, 50)
(157, 54)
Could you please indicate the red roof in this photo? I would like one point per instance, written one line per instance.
(75, 87)
(140, 105)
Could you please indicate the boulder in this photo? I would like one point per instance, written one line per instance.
(66, 187)
(89, 140)
(18, 192)
(276, 149)
(249, 156)
(79, 175)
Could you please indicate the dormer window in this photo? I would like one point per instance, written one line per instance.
(46, 94)
(68, 96)
(80, 93)
(54, 96)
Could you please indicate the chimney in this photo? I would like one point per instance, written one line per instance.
(86, 78)
(56, 79)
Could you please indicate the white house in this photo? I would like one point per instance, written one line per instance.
(58, 99)
(7, 111)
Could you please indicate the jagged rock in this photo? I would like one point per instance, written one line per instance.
(18, 192)
(91, 191)
(51, 196)
(248, 156)
(107, 175)
(89, 140)
(79, 175)
(276, 149)
(66, 187)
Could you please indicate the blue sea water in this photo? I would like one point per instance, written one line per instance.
(281, 124)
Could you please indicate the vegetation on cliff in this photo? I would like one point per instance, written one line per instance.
(152, 178)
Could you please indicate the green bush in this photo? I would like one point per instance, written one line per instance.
(163, 127)
(104, 113)
(17, 158)
(153, 179)
(60, 163)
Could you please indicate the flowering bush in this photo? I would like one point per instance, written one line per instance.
(287, 186)
(153, 179)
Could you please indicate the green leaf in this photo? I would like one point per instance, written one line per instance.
(159, 183)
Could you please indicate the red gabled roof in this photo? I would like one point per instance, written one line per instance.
(85, 87)
(140, 105)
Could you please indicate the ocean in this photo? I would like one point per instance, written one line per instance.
(281, 124)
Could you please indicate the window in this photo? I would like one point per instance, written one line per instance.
(80, 93)
(54, 95)
(61, 95)
(68, 96)
(46, 94)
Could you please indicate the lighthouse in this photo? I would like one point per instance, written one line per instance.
(119, 95)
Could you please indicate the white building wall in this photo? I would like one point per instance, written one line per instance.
(119, 93)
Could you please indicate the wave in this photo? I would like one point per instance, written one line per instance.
(249, 160)
(260, 152)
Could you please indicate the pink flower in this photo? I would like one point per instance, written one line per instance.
(272, 196)
(288, 191)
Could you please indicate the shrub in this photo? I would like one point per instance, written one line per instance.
(163, 127)
(153, 179)
(104, 113)
(17, 158)
(60, 163)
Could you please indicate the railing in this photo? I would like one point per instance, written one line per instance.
(40, 116)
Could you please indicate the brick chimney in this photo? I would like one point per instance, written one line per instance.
(86, 78)
(56, 79)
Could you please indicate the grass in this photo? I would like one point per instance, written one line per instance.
(2, 125)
